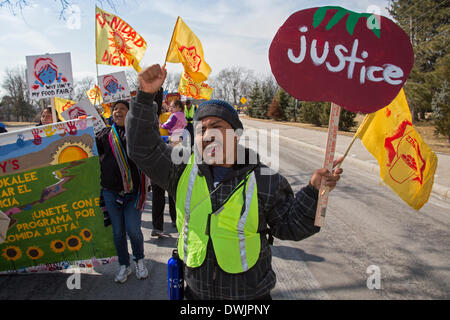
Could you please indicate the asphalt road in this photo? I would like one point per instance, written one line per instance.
(366, 225)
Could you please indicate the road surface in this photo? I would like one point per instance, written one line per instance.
(367, 228)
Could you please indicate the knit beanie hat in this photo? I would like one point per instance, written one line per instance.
(221, 109)
(125, 102)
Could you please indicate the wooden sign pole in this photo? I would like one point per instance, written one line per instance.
(55, 119)
(328, 163)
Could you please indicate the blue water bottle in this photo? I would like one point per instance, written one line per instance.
(175, 277)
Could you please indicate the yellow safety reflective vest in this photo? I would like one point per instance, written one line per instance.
(232, 228)
(189, 113)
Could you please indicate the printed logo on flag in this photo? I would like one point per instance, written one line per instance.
(404, 157)
(191, 57)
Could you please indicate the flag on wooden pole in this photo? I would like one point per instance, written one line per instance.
(187, 49)
(407, 164)
(117, 43)
(95, 96)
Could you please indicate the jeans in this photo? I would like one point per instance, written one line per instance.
(125, 219)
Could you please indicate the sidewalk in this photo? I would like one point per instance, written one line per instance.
(358, 155)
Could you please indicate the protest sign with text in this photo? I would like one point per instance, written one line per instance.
(114, 87)
(49, 75)
(50, 187)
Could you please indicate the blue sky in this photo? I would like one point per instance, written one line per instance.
(232, 32)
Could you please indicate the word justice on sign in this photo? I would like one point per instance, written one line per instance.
(335, 55)
(388, 72)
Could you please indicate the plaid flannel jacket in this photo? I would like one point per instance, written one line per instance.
(287, 216)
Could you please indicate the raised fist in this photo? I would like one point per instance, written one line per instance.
(152, 78)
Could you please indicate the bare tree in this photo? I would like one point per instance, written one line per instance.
(15, 85)
(82, 86)
(231, 84)
(6, 108)
(132, 79)
(64, 6)
(172, 82)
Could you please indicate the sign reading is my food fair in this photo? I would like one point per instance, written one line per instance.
(49, 75)
(357, 60)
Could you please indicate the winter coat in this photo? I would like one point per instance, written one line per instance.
(287, 216)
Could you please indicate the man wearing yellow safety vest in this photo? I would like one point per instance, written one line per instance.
(226, 203)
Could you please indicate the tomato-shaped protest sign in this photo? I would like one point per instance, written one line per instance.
(359, 61)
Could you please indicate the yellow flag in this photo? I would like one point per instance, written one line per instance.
(61, 105)
(189, 88)
(117, 43)
(186, 48)
(106, 111)
(94, 95)
(407, 164)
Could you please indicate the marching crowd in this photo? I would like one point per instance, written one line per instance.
(226, 206)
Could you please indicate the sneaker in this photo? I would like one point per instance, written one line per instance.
(122, 275)
(141, 269)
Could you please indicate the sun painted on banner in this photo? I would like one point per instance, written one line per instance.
(49, 192)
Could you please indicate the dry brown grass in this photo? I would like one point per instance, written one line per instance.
(17, 124)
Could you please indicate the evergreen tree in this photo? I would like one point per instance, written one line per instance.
(256, 106)
(287, 104)
(267, 97)
(346, 118)
(441, 111)
(428, 24)
(310, 112)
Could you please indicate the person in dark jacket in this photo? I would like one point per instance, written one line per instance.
(124, 192)
(158, 193)
(225, 208)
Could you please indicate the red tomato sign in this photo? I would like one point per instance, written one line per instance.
(358, 61)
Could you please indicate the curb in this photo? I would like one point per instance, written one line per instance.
(364, 165)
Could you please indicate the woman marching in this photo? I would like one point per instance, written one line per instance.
(124, 190)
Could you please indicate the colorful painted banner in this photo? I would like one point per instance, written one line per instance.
(114, 87)
(117, 43)
(84, 108)
(49, 75)
(359, 61)
(189, 88)
(50, 187)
